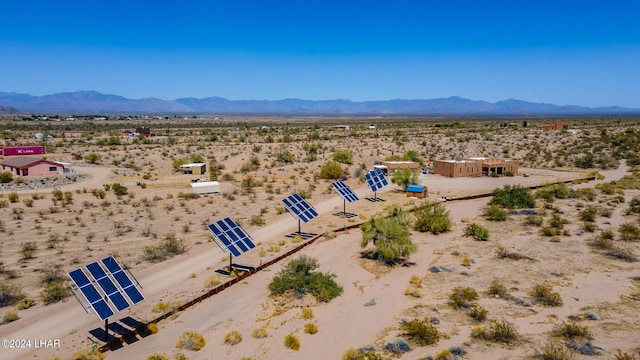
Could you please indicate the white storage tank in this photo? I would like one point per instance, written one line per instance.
(207, 187)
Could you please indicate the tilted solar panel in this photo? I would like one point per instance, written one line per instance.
(299, 207)
(123, 279)
(376, 179)
(107, 285)
(91, 294)
(231, 236)
(344, 191)
(381, 178)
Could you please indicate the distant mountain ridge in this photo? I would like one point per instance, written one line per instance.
(92, 102)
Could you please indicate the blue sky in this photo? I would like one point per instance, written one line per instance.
(563, 52)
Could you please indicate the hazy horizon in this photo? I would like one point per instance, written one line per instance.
(567, 53)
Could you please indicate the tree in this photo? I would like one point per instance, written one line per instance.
(513, 197)
(92, 158)
(331, 170)
(404, 177)
(413, 155)
(391, 238)
(299, 276)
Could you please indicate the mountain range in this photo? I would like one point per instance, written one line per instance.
(92, 102)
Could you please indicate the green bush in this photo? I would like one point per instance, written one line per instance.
(476, 231)
(495, 213)
(343, 156)
(55, 291)
(11, 316)
(497, 289)
(478, 313)
(168, 247)
(299, 276)
(310, 328)
(25, 303)
(421, 331)
(331, 170)
(158, 357)
(572, 330)
(191, 340)
(260, 333)
(391, 238)
(6, 177)
(498, 331)
(360, 354)
(513, 197)
(233, 338)
(404, 178)
(629, 232)
(13, 197)
(432, 217)
(553, 351)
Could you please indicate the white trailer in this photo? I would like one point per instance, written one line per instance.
(207, 187)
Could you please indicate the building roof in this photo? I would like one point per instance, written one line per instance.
(192, 165)
(21, 162)
(415, 188)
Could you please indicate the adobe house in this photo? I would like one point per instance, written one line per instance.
(477, 166)
(553, 127)
(389, 167)
(28, 166)
(144, 131)
(193, 169)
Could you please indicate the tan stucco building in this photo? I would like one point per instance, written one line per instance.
(474, 167)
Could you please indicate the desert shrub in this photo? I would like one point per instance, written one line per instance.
(444, 355)
(421, 331)
(398, 346)
(299, 276)
(416, 280)
(55, 291)
(589, 227)
(504, 253)
(533, 220)
(11, 316)
(233, 338)
(588, 214)
(390, 237)
(92, 158)
(498, 331)
(361, 354)
(292, 342)
(622, 254)
(413, 291)
(6, 177)
(629, 232)
(152, 327)
(478, 313)
(603, 241)
(343, 156)
(307, 313)
(25, 303)
(158, 357)
(310, 328)
(331, 170)
(88, 353)
(463, 296)
(191, 340)
(51, 272)
(572, 330)
(553, 351)
(495, 213)
(513, 197)
(260, 333)
(28, 250)
(543, 294)
(119, 189)
(212, 281)
(10, 293)
(13, 197)
(168, 247)
(165, 307)
(476, 231)
(432, 217)
(496, 288)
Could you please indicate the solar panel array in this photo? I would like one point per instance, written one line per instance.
(231, 236)
(344, 191)
(299, 207)
(376, 179)
(105, 280)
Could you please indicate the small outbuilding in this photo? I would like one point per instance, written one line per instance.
(194, 168)
(418, 191)
(206, 187)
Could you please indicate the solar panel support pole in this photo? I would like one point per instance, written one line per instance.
(106, 330)
(230, 263)
(299, 228)
(344, 207)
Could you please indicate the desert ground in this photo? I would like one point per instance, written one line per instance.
(599, 292)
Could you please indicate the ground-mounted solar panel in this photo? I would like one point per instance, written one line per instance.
(231, 237)
(299, 207)
(106, 284)
(91, 294)
(376, 179)
(123, 279)
(344, 191)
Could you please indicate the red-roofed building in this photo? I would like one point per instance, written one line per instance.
(28, 166)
